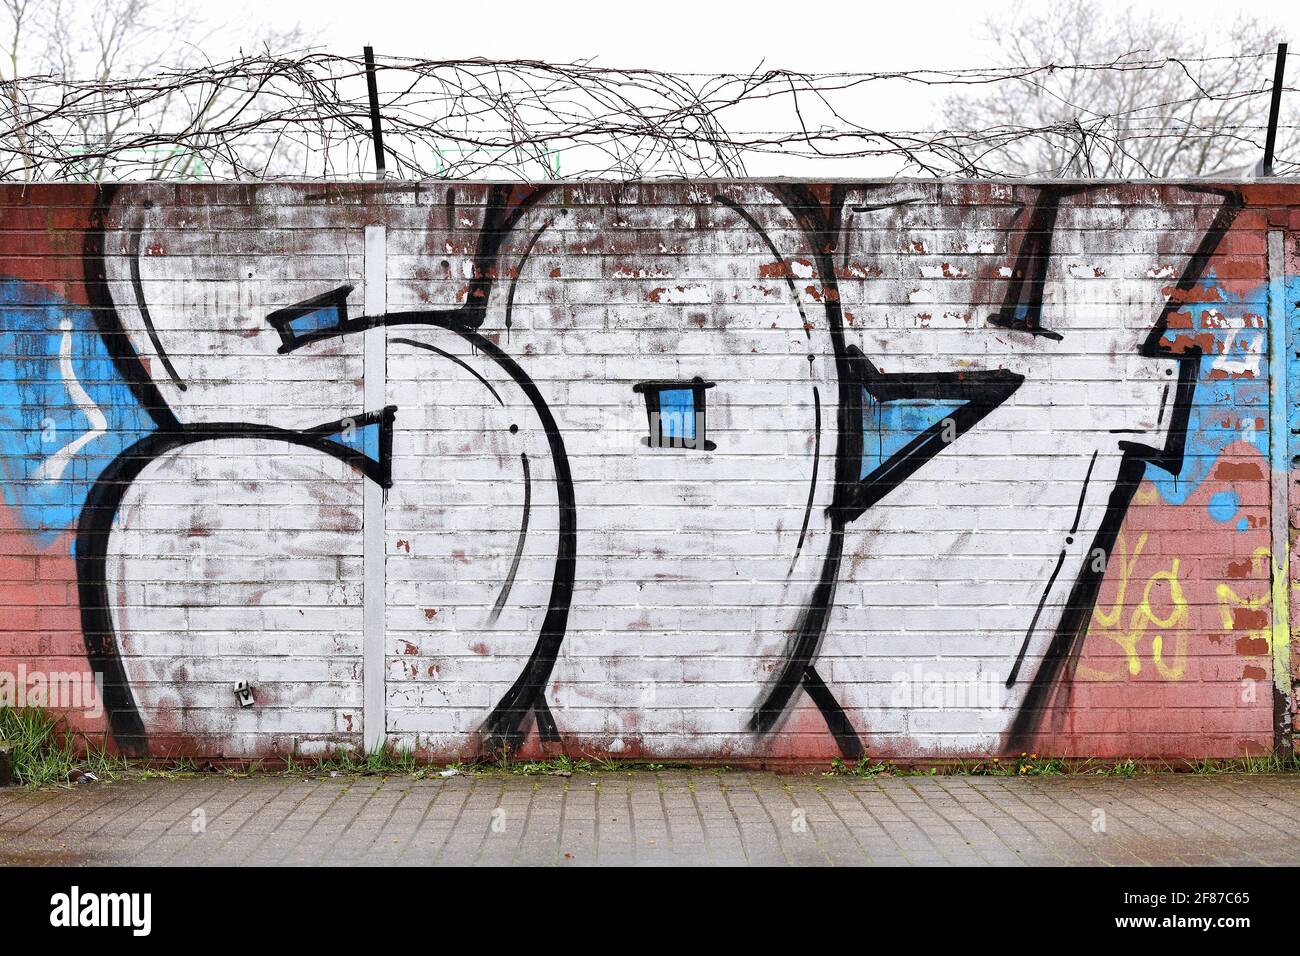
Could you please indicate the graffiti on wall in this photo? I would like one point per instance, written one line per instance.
(679, 470)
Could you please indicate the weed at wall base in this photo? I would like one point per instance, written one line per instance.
(43, 750)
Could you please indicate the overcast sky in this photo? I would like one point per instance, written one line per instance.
(714, 36)
(707, 35)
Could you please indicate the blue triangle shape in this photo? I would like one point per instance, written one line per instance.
(904, 422)
(369, 435)
(887, 427)
(363, 438)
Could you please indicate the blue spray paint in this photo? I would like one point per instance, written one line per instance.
(40, 416)
(363, 438)
(677, 413)
(1224, 410)
(889, 426)
(1223, 506)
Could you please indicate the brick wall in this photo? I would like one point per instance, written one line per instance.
(721, 470)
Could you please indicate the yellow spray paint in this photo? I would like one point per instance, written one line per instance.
(1144, 616)
(1280, 644)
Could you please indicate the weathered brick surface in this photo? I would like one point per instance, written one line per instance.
(979, 467)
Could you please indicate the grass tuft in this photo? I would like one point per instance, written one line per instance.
(865, 767)
(384, 761)
(44, 750)
(1258, 763)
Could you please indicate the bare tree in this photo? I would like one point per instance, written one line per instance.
(307, 114)
(19, 13)
(104, 41)
(1162, 117)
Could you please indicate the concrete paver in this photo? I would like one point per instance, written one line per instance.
(665, 818)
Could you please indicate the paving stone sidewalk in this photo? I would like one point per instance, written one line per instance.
(680, 817)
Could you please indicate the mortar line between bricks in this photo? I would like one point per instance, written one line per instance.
(175, 800)
(262, 814)
(1242, 807)
(222, 805)
(1247, 807)
(1246, 804)
(392, 811)
(781, 830)
(87, 801)
(631, 816)
(196, 838)
(866, 855)
(601, 790)
(1288, 810)
(929, 806)
(1144, 815)
(1110, 837)
(936, 808)
(356, 815)
(1073, 815)
(740, 829)
(1051, 848)
(93, 814)
(523, 830)
(52, 808)
(1288, 806)
(704, 830)
(1012, 791)
(119, 797)
(487, 830)
(316, 787)
(559, 826)
(511, 788)
(466, 795)
(1215, 819)
(1185, 839)
(667, 817)
(46, 798)
(884, 826)
(595, 824)
(439, 788)
(214, 852)
(812, 827)
(985, 809)
(260, 818)
(1228, 833)
(950, 797)
(321, 815)
(776, 832)
(888, 792)
(1135, 799)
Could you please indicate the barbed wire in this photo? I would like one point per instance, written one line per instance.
(306, 115)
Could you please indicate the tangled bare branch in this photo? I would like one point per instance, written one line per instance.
(307, 116)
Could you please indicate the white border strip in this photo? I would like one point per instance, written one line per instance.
(374, 596)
